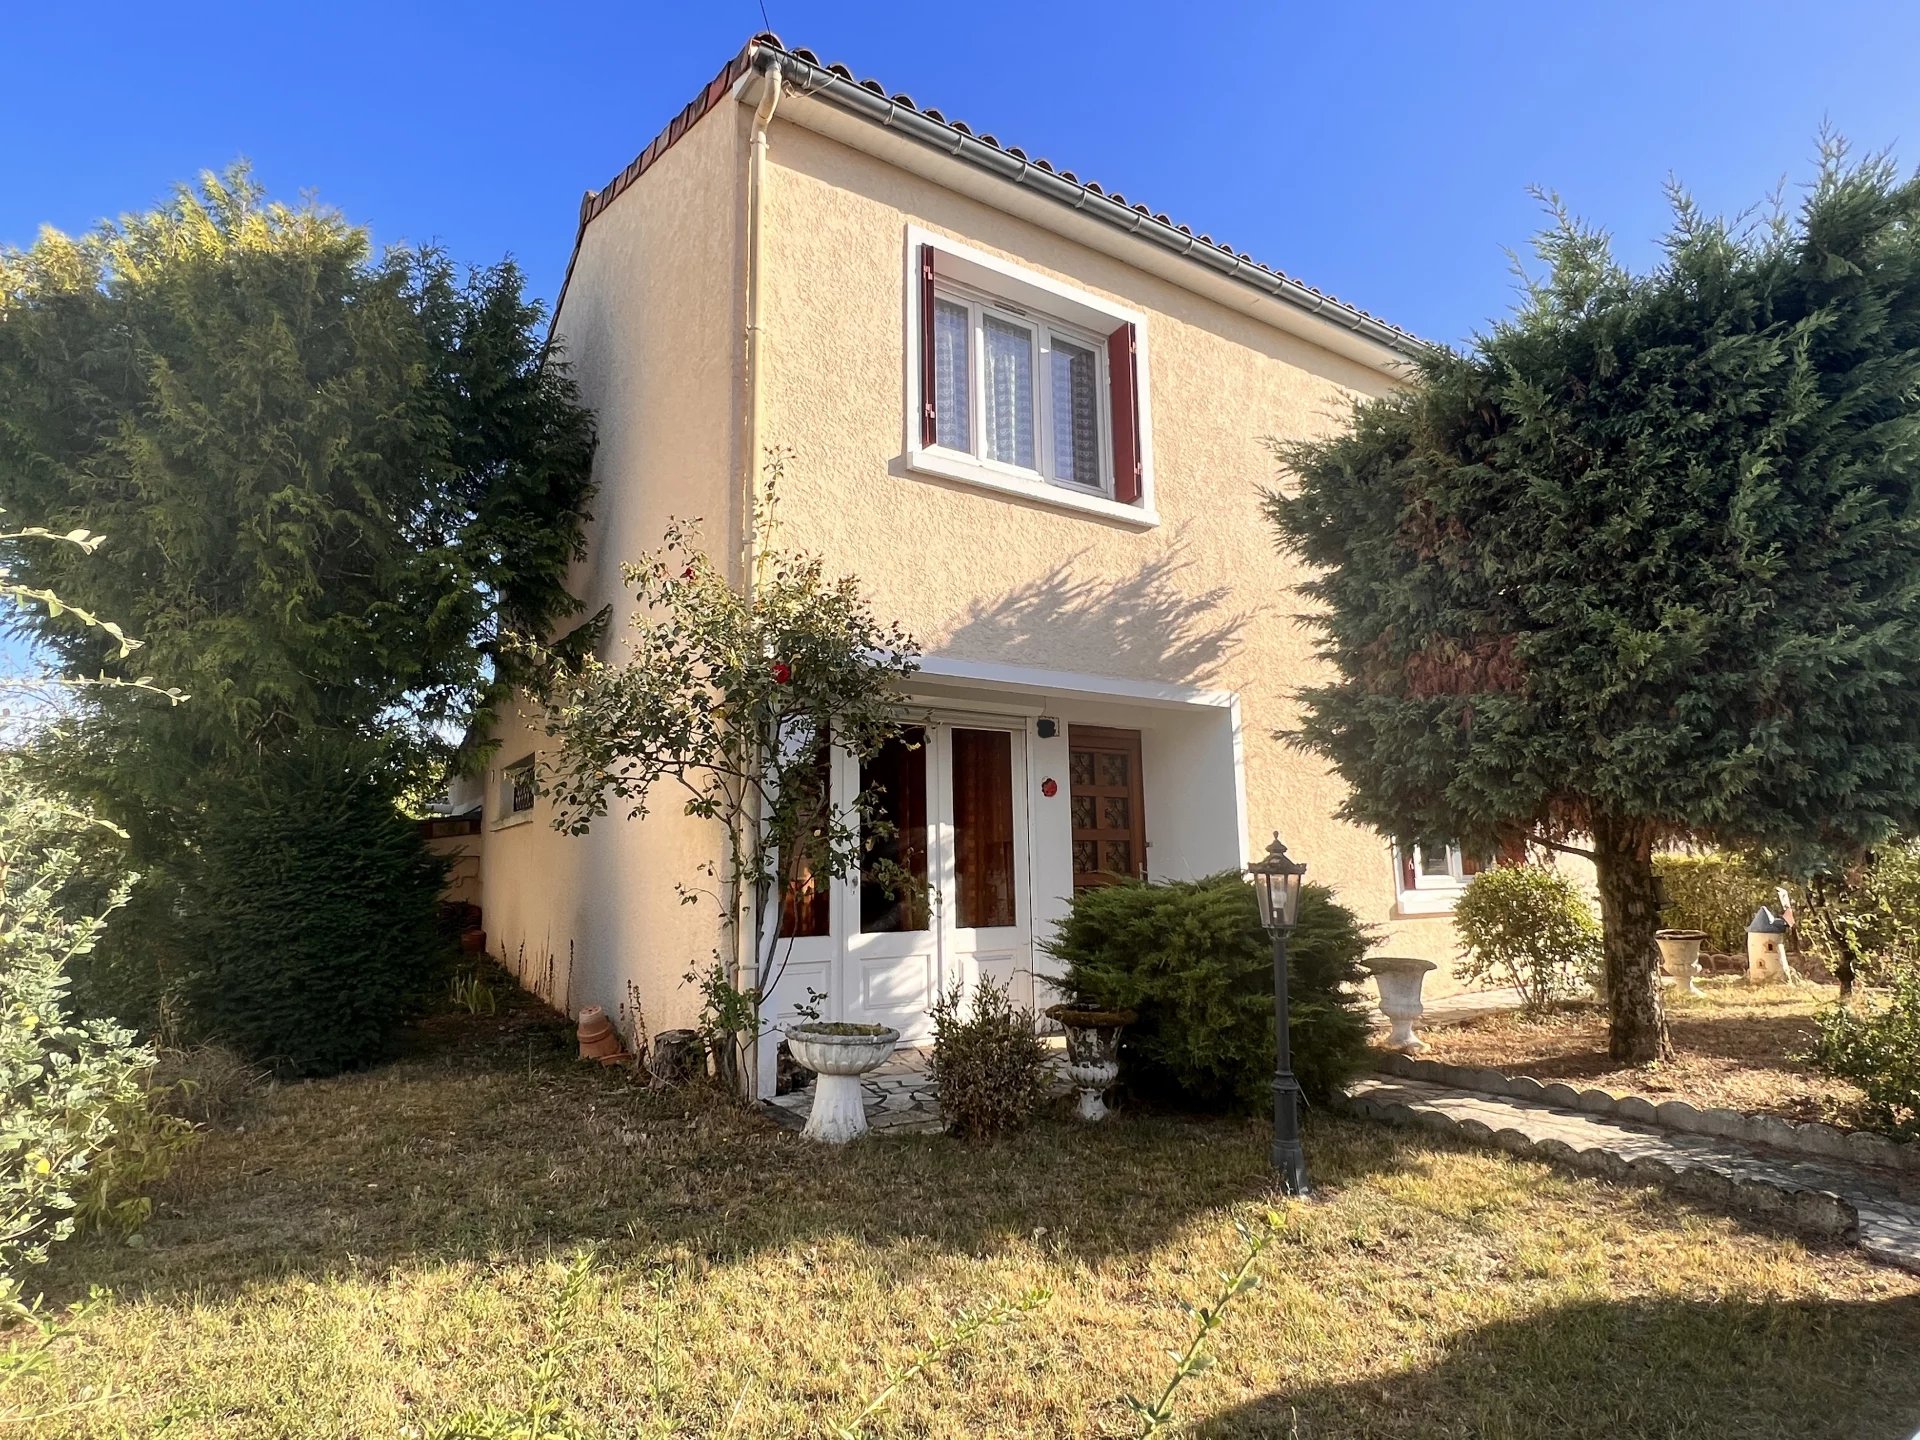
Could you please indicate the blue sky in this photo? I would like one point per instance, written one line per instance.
(1380, 152)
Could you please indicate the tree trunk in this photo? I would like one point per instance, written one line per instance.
(1836, 933)
(1630, 913)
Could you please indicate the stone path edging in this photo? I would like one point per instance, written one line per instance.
(1813, 1137)
(1804, 1195)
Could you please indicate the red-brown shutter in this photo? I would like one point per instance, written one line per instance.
(1407, 878)
(1123, 394)
(929, 421)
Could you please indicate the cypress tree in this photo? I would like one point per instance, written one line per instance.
(336, 486)
(1642, 565)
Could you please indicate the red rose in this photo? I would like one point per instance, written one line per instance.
(687, 574)
(782, 673)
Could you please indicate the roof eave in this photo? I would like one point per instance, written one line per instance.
(806, 77)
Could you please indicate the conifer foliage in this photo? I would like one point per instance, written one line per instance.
(334, 482)
(342, 490)
(1643, 564)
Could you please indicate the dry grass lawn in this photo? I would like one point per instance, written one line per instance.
(1734, 1046)
(372, 1254)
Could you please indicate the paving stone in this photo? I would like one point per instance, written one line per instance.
(1825, 1197)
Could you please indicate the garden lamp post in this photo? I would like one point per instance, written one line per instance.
(1276, 883)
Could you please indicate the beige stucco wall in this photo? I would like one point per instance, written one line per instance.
(1203, 599)
(651, 326)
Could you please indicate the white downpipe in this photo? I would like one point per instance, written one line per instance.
(747, 943)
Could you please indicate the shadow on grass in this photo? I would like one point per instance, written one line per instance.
(490, 1141)
(1571, 1043)
(1631, 1368)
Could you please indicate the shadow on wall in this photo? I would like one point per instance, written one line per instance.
(1639, 1367)
(1145, 625)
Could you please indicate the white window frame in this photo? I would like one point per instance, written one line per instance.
(1041, 330)
(988, 284)
(503, 794)
(1431, 894)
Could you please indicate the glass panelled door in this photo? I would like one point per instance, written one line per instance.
(984, 925)
(891, 950)
(942, 897)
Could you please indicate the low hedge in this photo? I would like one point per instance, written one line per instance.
(1192, 959)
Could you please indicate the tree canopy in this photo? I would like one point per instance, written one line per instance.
(340, 492)
(1642, 565)
(334, 482)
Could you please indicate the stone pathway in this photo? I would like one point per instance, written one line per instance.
(1874, 1208)
(901, 1098)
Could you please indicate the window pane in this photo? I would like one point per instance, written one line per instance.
(806, 901)
(893, 878)
(1434, 862)
(951, 368)
(983, 828)
(1009, 398)
(1076, 416)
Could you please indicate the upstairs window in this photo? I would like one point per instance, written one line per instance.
(1027, 383)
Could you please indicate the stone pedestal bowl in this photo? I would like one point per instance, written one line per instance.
(839, 1054)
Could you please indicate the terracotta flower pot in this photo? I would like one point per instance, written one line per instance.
(598, 1039)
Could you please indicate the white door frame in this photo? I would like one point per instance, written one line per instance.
(894, 977)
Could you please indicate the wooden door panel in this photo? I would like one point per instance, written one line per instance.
(1109, 824)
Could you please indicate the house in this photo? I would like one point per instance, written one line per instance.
(1031, 416)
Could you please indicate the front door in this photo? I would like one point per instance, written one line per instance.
(943, 898)
(1109, 823)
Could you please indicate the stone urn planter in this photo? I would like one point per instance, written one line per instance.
(1680, 956)
(1399, 978)
(839, 1054)
(1093, 1053)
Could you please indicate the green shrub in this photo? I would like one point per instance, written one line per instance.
(1193, 960)
(313, 911)
(1716, 891)
(77, 1133)
(1878, 911)
(1528, 926)
(989, 1063)
(1876, 1045)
